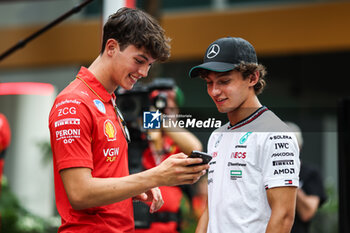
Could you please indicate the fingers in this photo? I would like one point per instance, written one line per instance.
(141, 197)
(193, 178)
(185, 160)
(197, 168)
(157, 201)
(179, 156)
(179, 169)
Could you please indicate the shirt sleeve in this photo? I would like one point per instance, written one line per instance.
(70, 126)
(280, 160)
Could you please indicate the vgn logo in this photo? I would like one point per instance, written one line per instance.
(151, 120)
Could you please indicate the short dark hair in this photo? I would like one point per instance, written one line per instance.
(135, 27)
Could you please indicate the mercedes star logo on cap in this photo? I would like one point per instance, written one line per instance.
(213, 51)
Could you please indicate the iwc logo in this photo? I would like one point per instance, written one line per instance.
(213, 51)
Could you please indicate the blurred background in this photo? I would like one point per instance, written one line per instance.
(305, 46)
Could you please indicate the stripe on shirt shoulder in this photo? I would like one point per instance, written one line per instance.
(249, 119)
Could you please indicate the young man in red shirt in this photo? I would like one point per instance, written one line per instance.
(93, 187)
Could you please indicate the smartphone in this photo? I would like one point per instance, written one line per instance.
(199, 154)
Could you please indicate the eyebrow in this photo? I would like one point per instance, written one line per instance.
(143, 56)
(224, 73)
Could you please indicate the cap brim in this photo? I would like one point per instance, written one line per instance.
(212, 66)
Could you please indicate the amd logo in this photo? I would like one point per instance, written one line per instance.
(284, 171)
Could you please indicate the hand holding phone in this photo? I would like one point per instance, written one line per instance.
(199, 154)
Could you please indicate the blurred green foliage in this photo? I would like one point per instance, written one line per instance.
(45, 148)
(326, 219)
(16, 219)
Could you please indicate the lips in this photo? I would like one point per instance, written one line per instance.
(133, 78)
(220, 101)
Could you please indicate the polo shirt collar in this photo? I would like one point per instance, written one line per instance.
(94, 85)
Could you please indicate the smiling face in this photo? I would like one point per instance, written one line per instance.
(129, 65)
(230, 92)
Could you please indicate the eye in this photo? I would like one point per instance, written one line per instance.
(138, 61)
(224, 81)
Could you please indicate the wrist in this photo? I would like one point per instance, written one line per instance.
(152, 177)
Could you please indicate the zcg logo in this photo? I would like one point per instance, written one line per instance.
(66, 110)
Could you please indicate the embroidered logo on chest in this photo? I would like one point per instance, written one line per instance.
(110, 130)
(100, 106)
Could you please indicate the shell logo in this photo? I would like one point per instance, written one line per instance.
(109, 130)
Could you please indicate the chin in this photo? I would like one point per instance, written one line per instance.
(127, 86)
(222, 110)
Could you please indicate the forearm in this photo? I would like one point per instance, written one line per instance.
(280, 223)
(104, 191)
(282, 202)
(203, 222)
(306, 205)
(85, 191)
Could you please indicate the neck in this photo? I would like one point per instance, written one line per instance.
(244, 110)
(100, 70)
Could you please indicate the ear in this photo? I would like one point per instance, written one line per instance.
(111, 47)
(254, 78)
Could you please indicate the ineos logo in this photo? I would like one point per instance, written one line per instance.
(213, 51)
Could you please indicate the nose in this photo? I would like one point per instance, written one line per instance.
(214, 90)
(143, 70)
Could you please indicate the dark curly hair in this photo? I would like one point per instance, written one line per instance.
(248, 69)
(135, 27)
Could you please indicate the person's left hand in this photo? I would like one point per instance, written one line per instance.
(153, 195)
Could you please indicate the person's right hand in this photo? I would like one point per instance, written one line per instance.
(175, 170)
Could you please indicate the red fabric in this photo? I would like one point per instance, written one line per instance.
(130, 3)
(170, 148)
(160, 227)
(172, 195)
(26, 88)
(5, 133)
(85, 132)
(199, 203)
(1, 170)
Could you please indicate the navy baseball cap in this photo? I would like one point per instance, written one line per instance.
(226, 54)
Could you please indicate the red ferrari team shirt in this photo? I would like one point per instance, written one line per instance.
(85, 132)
